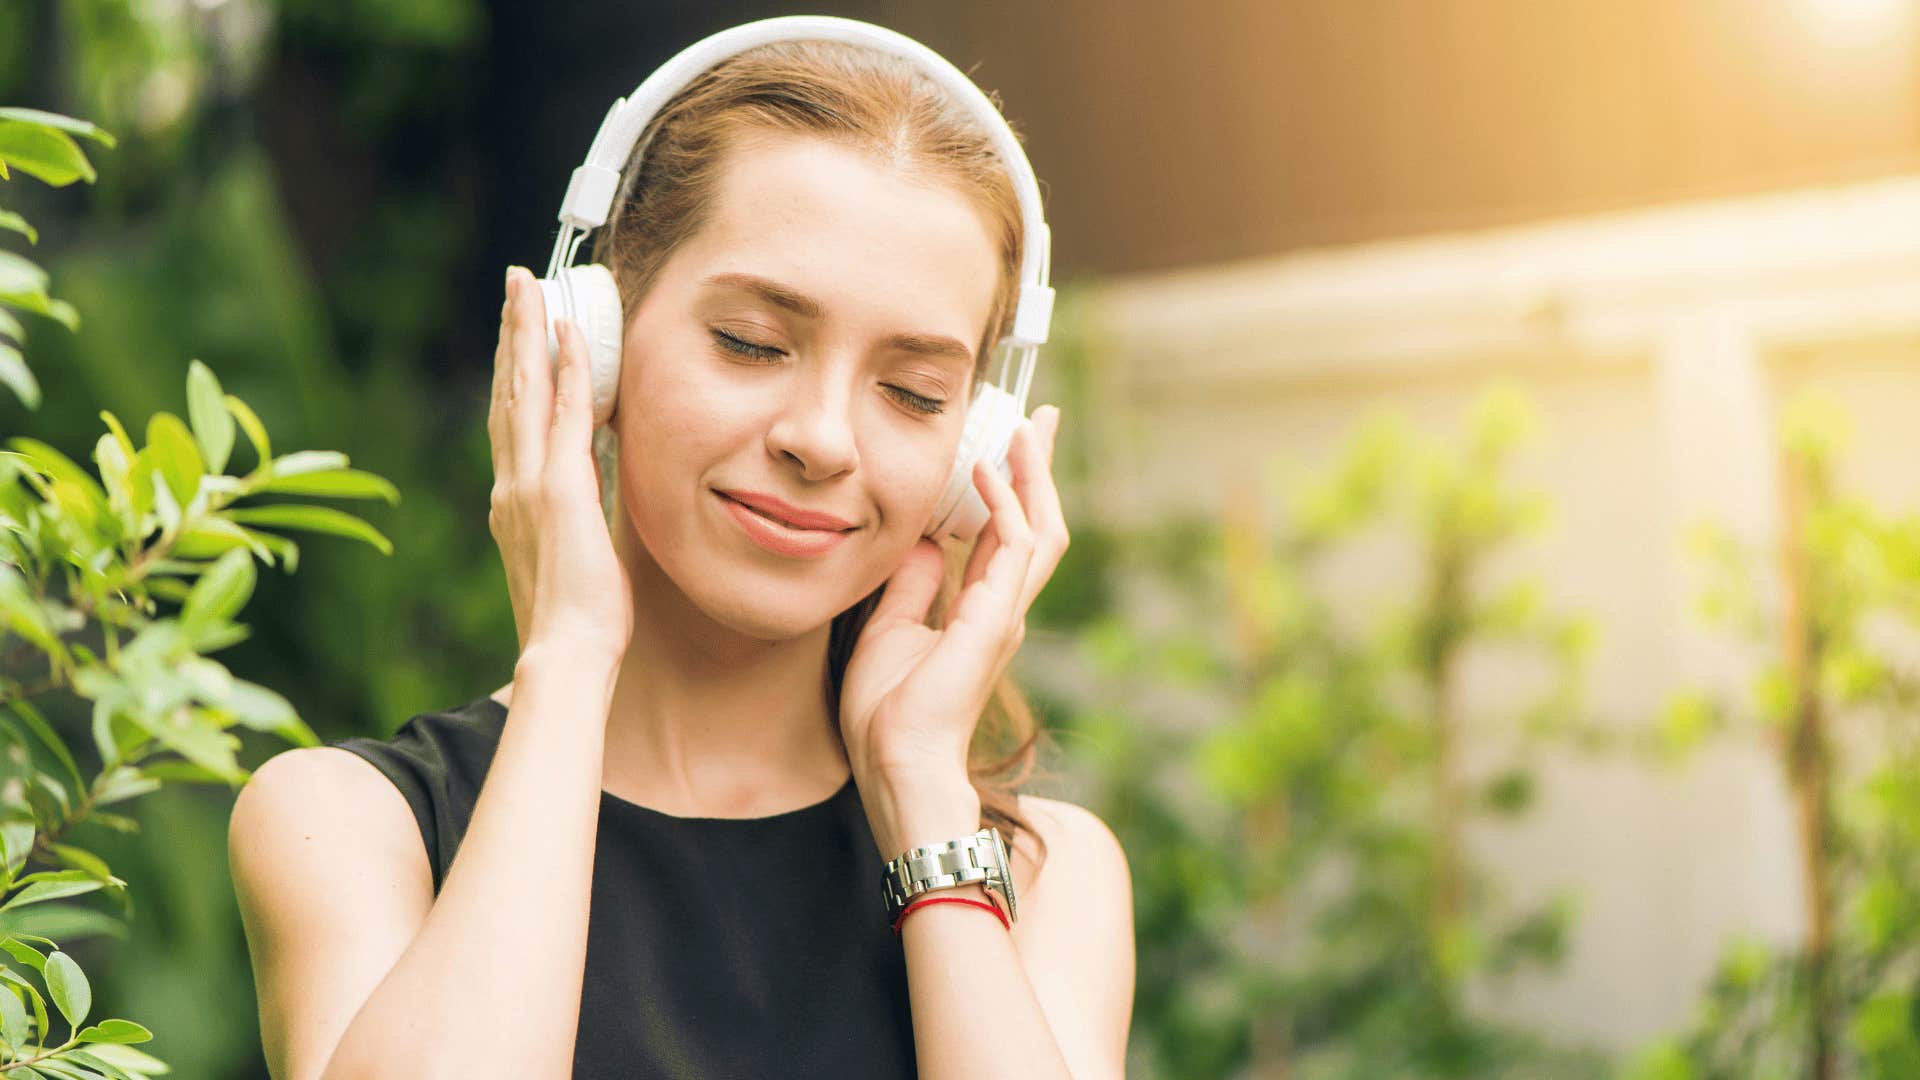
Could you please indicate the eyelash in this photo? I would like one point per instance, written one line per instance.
(765, 352)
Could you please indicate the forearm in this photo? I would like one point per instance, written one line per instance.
(974, 1011)
(507, 935)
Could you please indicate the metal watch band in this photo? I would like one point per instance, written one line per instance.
(977, 858)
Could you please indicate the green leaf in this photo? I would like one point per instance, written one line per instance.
(249, 423)
(67, 921)
(55, 745)
(133, 1061)
(58, 466)
(16, 839)
(41, 304)
(13, 221)
(212, 536)
(178, 456)
(70, 125)
(180, 772)
(13, 1016)
(284, 547)
(44, 152)
(223, 590)
(119, 823)
(69, 988)
(33, 998)
(11, 327)
(60, 1068)
(122, 783)
(206, 409)
(21, 276)
(114, 1031)
(339, 483)
(24, 953)
(96, 1067)
(196, 741)
(263, 709)
(55, 875)
(81, 859)
(307, 461)
(119, 433)
(41, 891)
(21, 612)
(322, 519)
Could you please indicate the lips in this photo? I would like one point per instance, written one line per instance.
(791, 516)
(771, 535)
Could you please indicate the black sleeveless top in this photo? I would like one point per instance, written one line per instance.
(717, 948)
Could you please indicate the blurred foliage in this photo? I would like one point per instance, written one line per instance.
(1305, 902)
(190, 246)
(1836, 702)
(86, 557)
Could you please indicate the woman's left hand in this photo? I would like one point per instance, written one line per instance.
(912, 694)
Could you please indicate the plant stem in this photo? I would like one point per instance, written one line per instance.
(1807, 761)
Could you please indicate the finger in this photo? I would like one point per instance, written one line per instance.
(1040, 496)
(984, 626)
(572, 424)
(910, 591)
(983, 549)
(989, 540)
(1000, 586)
(531, 400)
(499, 434)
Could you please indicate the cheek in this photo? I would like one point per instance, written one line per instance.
(915, 484)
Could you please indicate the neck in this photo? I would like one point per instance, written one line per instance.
(709, 722)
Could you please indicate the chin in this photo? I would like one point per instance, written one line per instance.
(769, 614)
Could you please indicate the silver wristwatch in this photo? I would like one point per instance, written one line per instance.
(979, 857)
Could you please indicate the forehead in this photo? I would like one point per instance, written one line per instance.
(873, 242)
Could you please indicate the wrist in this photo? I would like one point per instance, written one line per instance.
(566, 660)
(908, 810)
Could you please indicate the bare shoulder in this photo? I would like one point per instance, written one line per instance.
(305, 807)
(332, 881)
(1075, 935)
(1075, 837)
(316, 782)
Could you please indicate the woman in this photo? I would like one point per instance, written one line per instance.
(658, 851)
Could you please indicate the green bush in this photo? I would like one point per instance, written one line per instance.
(86, 563)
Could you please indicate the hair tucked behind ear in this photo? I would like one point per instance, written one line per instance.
(877, 104)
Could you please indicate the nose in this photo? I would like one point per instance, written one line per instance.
(815, 429)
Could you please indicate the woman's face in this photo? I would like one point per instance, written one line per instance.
(814, 383)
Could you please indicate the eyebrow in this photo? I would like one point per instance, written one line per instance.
(935, 346)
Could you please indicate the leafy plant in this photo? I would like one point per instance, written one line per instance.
(85, 564)
(1838, 708)
(41, 145)
(1345, 935)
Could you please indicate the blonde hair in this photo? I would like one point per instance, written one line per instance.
(874, 103)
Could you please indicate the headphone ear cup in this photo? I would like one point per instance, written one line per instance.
(588, 295)
(992, 419)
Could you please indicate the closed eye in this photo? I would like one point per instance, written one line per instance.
(741, 347)
(745, 348)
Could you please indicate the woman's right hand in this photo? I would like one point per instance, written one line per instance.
(563, 577)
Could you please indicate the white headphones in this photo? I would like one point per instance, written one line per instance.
(588, 295)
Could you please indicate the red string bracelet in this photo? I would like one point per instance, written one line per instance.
(917, 904)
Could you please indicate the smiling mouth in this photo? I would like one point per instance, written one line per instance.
(789, 526)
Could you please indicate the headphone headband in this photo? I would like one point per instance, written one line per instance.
(594, 184)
